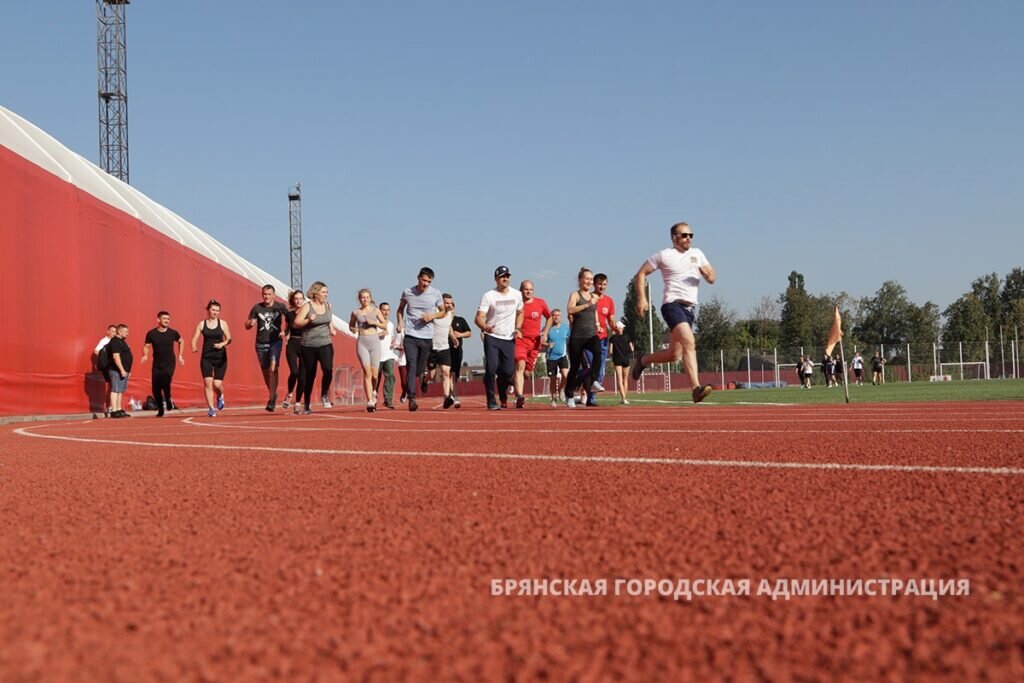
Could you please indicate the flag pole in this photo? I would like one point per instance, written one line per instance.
(842, 359)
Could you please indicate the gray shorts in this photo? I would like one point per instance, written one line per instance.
(368, 350)
(117, 385)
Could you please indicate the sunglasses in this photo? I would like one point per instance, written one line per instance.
(683, 234)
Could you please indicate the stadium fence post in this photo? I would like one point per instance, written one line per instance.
(748, 368)
(776, 351)
(908, 362)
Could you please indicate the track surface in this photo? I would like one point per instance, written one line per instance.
(352, 546)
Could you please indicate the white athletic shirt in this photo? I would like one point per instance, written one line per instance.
(100, 344)
(680, 272)
(858, 363)
(386, 352)
(501, 311)
(441, 328)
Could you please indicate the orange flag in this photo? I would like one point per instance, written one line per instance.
(835, 334)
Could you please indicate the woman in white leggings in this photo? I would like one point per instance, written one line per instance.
(369, 325)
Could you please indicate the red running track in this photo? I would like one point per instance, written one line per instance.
(347, 546)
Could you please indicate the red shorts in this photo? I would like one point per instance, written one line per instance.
(528, 349)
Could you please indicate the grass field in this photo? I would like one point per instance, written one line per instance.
(892, 392)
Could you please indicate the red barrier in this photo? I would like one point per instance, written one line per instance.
(71, 264)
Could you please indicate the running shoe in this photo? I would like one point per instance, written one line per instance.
(455, 403)
(596, 387)
(307, 411)
(702, 392)
(371, 407)
(287, 403)
(554, 403)
(298, 409)
(448, 402)
(520, 402)
(160, 411)
(570, 403)
(591, 403)
(325, 401)
(413, 405)
(271, 404)
(211, 413)
(504, 404)
(624, 402)
(401, 399)
(493, 406)
(638, 368)
(374, 399)
(389, 406)
(423, 387)
(220, 403)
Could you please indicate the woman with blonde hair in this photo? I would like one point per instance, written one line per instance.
(367, 323)
(316, 318)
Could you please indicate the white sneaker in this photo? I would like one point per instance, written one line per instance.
(596, 386)
(326, 402)
(624, 402)
(287, 403)
(570, 403)
(554, 403)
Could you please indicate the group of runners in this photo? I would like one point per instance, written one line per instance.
(832, 370)
(516, 327)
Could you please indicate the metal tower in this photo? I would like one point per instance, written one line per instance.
(112, 58)
(295, 234)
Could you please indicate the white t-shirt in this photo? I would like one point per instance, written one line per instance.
(100, 344)
(680, 270)
(399, 349)
(386, 352)
(858, 363)
(442, 326)
(501, 311)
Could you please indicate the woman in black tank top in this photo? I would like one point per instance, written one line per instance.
(582, 311)
(214, 360)
(293, 349)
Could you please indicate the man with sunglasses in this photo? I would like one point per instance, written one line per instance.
(682, 266)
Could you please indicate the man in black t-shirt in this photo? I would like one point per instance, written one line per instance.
(460, 332)
(119, 369)
(160, 341)
(268, 318)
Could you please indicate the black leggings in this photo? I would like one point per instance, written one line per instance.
(162, 388)
(311, 355)
(576, 348)
(297, 376)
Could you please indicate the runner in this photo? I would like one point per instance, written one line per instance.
(682, 266)
(318, 320)
(421, 304)
(386, 369)
(460, 333)
(440, 353)
(213, 363)
(558, 360)
(293, 351)
(582, 309)
(500, 318)
(622, 356)
(268, 318)
(368, 324)
(160, 341)
(533, 339)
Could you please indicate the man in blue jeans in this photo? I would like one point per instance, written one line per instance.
(419, 307)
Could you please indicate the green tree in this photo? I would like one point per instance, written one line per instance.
(716, 326)
(966, 320)
(924, 323)
(1012, 292)
(796, 326)
(887, 316)
(637, 327)
(987, 290)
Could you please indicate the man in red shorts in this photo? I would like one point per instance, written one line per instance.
(530, 339)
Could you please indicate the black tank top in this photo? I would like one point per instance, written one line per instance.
(294, 332)
(212, 336)
(584, 323)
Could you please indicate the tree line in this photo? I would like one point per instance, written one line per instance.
(797, 318)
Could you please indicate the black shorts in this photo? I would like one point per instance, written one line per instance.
(857, 371)
(555, 365)
(214, 367)
(675, 313)
(443, 357)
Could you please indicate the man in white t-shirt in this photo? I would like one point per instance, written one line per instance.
(500, 317)
(387, 359)
(682, 266)
(111, 333)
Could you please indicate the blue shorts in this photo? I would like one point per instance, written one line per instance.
(266, 352)
(674, 313)
(117, 384)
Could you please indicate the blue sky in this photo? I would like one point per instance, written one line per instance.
(854, 142)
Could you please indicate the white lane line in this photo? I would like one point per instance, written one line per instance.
(585, 429)
(747, 464)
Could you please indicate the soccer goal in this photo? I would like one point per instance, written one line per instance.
(976, 369)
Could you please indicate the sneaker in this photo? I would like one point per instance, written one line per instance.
(271, 404)
(211, 413)
(493, 406)
(624, 402)
(374, 399)
(591, 403)
(504, 404)
(455, 403)
(307, 411)
(287, 403)
(325, 401)
(389, 406)
(423, 387)
(371, 407)
(570, 403)
(702, 392)
(554, 403)
(448, 402)
(401, 399)
(160, 411)
(638, 368)
(298, 409)
(413, 406)
(596, 387)
(520, 402)
(220, 403)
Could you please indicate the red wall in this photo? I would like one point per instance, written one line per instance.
(71, 264)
